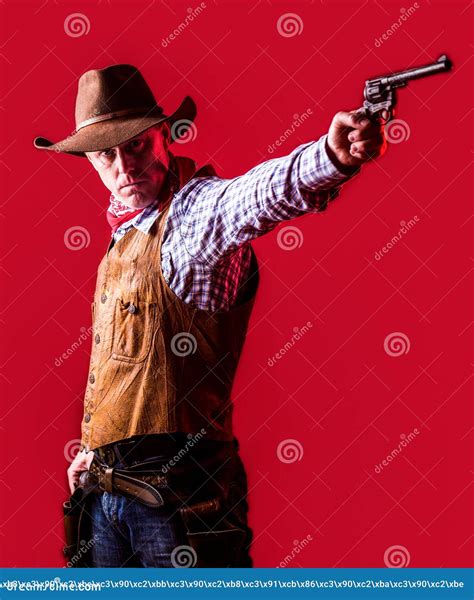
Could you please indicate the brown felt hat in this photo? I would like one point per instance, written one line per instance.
(114, 105)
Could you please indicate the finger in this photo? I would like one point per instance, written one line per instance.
(89, 458)
(367, 133)
(365, 150)
(72, 483)
(354, 120)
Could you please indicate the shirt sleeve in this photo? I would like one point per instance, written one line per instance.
(217, 216)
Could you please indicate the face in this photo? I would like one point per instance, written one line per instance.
(134, 172)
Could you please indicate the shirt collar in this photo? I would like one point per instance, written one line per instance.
(146, 218)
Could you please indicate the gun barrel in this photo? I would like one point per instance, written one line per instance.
(442, 64)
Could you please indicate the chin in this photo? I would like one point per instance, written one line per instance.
(137, 200)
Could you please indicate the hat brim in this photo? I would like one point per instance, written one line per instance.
(113, 132)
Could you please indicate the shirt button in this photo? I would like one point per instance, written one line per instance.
(91, 378)
(132, 309)
(103, 298)
(97, 338)
(87, 418)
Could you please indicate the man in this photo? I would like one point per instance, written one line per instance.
(173, 298)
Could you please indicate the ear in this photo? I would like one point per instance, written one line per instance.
(166, 133)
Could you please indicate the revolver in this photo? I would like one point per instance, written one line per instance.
(380, 93)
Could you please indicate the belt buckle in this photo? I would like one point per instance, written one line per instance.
(106, 479)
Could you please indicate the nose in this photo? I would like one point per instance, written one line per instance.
(124, 162)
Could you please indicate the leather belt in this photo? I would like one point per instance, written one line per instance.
(109, 479)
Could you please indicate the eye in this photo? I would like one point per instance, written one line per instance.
(136, 144)
(107, 153)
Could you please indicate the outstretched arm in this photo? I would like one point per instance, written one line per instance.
(218, 216)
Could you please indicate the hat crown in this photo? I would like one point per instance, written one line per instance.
(115, 89)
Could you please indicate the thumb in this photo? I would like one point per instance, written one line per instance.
(89, 458)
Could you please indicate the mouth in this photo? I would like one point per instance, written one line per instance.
(135, 183)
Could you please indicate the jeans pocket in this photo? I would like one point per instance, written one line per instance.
(216, 539)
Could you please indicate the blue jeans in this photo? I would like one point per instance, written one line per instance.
(126, 533)
(196, 533)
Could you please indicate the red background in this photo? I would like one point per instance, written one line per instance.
(337, 392)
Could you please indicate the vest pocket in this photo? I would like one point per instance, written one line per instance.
(133, 329)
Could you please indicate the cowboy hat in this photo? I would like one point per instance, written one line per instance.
(114, 105)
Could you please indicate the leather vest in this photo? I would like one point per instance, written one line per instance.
(158, 364)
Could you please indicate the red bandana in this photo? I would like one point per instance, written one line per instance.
(119, 213)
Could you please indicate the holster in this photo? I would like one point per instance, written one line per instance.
(77, 525)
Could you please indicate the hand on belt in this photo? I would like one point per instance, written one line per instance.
(112, 480)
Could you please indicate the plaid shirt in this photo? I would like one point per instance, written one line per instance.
(205, 251)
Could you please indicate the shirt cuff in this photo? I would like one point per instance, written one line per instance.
(320, 169)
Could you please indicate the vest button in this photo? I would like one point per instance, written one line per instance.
(91, 378)
(103, 298)
(97, 338)
(87, 418)
(132, 309)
